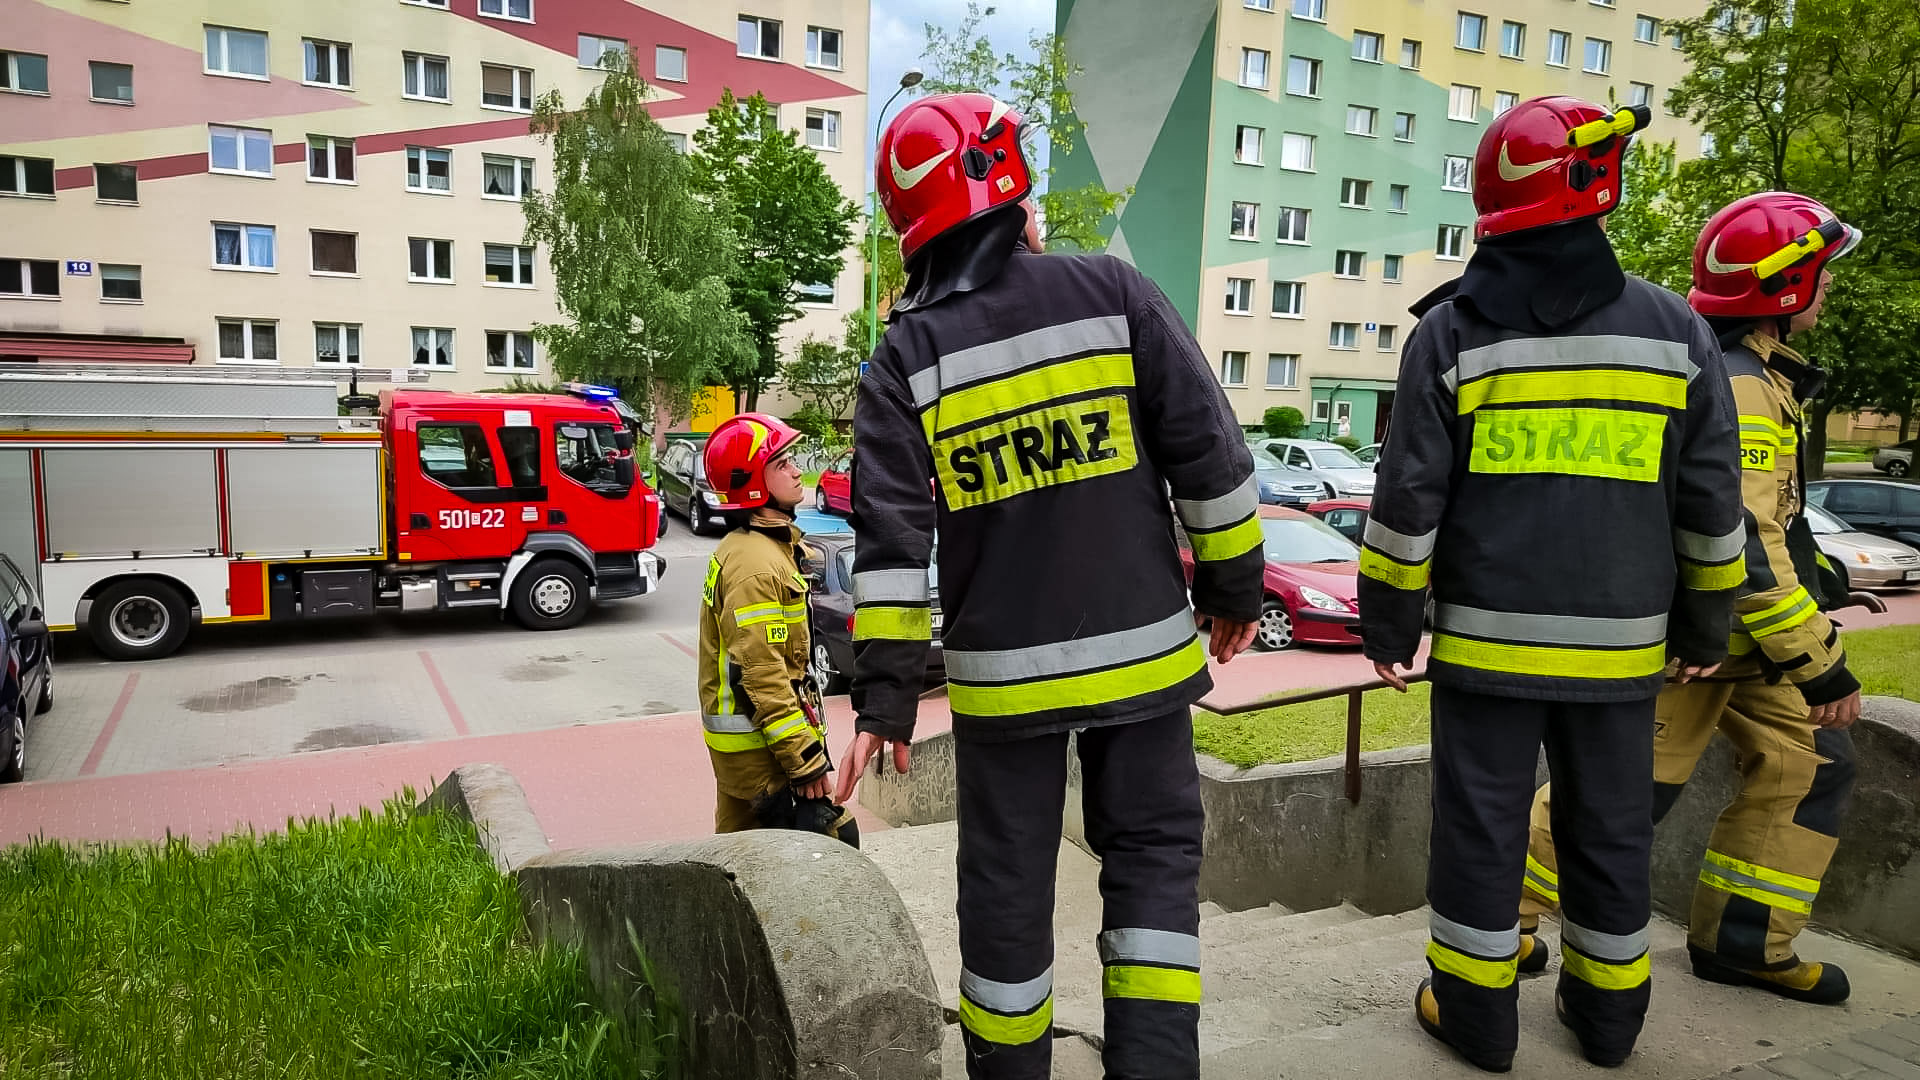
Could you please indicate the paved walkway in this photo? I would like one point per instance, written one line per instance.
(1891, 1052)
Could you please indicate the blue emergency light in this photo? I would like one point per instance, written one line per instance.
(592, 392)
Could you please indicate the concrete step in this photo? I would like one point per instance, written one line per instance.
(1264, 924)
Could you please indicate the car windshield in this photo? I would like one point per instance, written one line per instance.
(1305, 540)
(1264, 464)
(1336, 458)
(1823, 523)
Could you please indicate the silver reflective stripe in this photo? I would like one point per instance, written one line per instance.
(1487, 944)
(1591, 351)
(1408, 549)
(1752, 882)
(1019, 351)
(1549, 629)
(728, 725)
(1710, 549)
(1067, 657)
(1450, 378)
(1222, 510)
(1608, 948)
(1011, 998)
(907, 585)
(1150, 946)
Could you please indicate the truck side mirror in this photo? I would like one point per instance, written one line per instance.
(623, 471)
(623, 440)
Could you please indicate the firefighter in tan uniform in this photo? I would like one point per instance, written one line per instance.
(764, 726)
(1784, 698)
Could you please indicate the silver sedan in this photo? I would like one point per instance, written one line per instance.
(1869, 561)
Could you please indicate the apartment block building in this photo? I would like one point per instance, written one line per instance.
(254, 182)
(1303, 167)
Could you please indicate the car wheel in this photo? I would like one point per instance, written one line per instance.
(1276, 627)
(820, 500)
(1897, 468)
(825, 675)
(550, 594)
(138, 619)
(665, 518)
(13, 747)
(45, 704)
(697, 515)
(1331, 493)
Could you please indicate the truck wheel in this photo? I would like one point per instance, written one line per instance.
(13, 746)
(550, 594)
(138, 619)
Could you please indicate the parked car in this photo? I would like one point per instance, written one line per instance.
(26, 667)
(1281, 486)
(834, 493)
(1370, 454)
(1881, 507)
(1896, 460)
(828, 565)
(1348, 517)
(683, 486)
(1312, 581)
(1863, 560)
(1336, 470)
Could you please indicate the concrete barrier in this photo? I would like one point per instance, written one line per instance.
(490, 798)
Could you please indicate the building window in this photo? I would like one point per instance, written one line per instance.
(1367, 46)
(1253, 68)
(1470, 33)
(1259, 5)
(1403, 126)
(669, 63)
(759, 37)
(1246, 221)
(1390, 268)
(432, 347)
(677, 140)
(1289, 299)
(1599, 57)
(1322, 411)
(26, 176)
(505, 177)
(593, 49)
(336, 252)
(1640, 94)
(330, 160)
(249, 341)
(1451, 243)
(1513, 40)
(1463, 103)
(1410, 54)
(248, 151)
(1350, 264)
(1457, 173)
(1356, 194)
(1707, 145)
(1310, 9)
(243, 247)
(1389, 337)
(509, 350)
(823, 129)
(1504, 100)
(1559, 45)
(329, 63)
(1342, 335)
(823, 47)
(1646, 29)
(1296, 152)
(1601, 3)
(1303, 76)
(1677, 39)
(116, 183)
(508, 9)
(336, 343)
(1247, 144)
(1293, 224)
(111, 82)
(1361, 120)
(120, 283)
(23, 73)
(429, 260)
(1239, 296)
(425, 78)
(506, 88)
(821, 295)
(510, 264)
(429, 170)
(1397, 198)
(1233, 369)
(238, 53)
(30, 277)
(1283, 371)
(441, 4)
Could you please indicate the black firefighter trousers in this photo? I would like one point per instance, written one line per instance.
(1141, 799)
(1485, 751)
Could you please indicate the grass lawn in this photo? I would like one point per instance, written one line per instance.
(1840, 457)
(1886, 661)
(384, 945)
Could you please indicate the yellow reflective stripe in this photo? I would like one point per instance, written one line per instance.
(1809, 886)
(1546, 876)
(1227, 543)
(1612, 444)
(735, 742)
(1739, 644)
(1510, 387)
(1603, 975)
(1493, 974)
(1092, 688)
(1007, 1030)
(1550, 661)
(960, 407)
(1771, 899)
(1713, 578)
(881, 623)
(1152, 984)
(1797, 608)
(755, 613)
(786, 727)
(1390, 572)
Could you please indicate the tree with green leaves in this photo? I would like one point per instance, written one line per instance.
(640, 261)
(825, 375)
(791, 224)
(962, 60)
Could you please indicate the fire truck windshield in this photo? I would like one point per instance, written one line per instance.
(588, 454)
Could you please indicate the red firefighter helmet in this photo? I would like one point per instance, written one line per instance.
(1549, 160)
(1762, 255)
(947, 159)
(737, 454)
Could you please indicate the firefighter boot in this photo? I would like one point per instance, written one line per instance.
(1534, 954)
(1426, 1009)
(1815, 984)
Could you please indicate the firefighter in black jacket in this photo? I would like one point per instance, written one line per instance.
(1561, 467)
(1051, 401)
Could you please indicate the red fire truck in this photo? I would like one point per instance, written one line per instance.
(149, 500)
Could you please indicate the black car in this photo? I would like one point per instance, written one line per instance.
(828, 560)
(1882, 507)
(683, 487)
(26, 680)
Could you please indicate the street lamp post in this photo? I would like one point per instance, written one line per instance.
(908, 80)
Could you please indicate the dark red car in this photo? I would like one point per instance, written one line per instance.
(834, 493)
(1312, 581)
(1348, 517)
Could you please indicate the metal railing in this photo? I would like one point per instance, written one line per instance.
(1351, 692)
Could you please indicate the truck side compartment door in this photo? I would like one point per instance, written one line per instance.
(464, 510)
